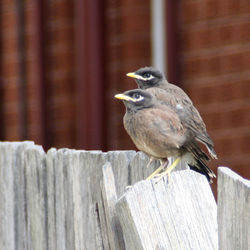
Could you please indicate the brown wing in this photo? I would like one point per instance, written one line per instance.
(174, 97)
(157, 131)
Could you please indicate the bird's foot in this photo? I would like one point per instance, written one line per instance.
(168, 170)
(150, 161)
(155, 173)
(128, 188)
(160, 176)
(158, 170)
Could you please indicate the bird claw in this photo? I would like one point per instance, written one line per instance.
(128, 188)
(150, 161)
(160, 176)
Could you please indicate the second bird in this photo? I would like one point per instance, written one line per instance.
(154, 81)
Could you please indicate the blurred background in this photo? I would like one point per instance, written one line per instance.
(62, 61)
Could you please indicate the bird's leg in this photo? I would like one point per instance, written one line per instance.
(163, 165)
(169, 169)
(150, 161)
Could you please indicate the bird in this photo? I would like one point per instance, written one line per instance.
(154, 81)
(157, 130)
(168, 94)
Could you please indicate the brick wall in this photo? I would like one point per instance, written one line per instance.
(127, 48)
(56, 58)
(58, 52)
(10, 118)
(60, 72)
(214, 64)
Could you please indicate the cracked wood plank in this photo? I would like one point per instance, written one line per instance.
(179, 215)
(64, 199)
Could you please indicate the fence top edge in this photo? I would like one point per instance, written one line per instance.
(26, 142)
(179, 176)
(233, 175)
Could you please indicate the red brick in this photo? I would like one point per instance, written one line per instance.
(214, 65)
(224, 147)
(244, 144)
(237, 118)
(10, 71)
(11, 93)
(11, 119)
(12, 133)
(202, 95)
(211, 10)
(194, 11)
(189, 12)
(219, 35)
(244, 90)
(8, 22)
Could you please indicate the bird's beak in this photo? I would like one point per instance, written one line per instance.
(124, 97)
(134, 75)
(131, 74)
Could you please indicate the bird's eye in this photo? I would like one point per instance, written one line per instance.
(147, 75)
(137, 96)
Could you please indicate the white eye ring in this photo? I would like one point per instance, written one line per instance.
(138, 99)
(149, 78)
(144, 78)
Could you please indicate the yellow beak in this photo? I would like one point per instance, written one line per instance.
(134, 75)
(124, 97)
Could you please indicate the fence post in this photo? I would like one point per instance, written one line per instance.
(180, 214)
(233, 210)
(69, 199)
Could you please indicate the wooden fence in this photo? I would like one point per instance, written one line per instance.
(71, 199)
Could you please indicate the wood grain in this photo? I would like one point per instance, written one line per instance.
(233, 210)
(76, 199)
(176, 215)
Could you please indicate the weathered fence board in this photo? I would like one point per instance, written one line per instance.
(12, 197)
(176, 215)
(75, 199)
(55, 200)
(233, 211)
(7, 160)
(35, 197)
(109, 198)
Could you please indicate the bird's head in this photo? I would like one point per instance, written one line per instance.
(147, 77)
(136, 99)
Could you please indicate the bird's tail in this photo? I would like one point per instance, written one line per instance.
(199, 166)
(211, 151)
(209, 145)
(196, 159)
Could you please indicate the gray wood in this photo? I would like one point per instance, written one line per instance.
(109, 197)
(120, 162)
(20, 183)
(178, 215)
(12, 217)
(64, 208)
(138, 167)
(233, 210)
(66, 199)
(51, 198)
(91, 205)
(35, 189)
